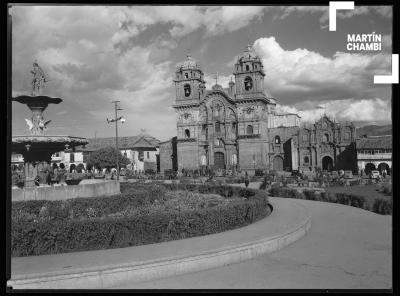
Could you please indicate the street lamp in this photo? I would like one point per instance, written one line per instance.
(116, 119)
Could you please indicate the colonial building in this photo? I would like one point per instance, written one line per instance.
(168, 155)
(142, 150)
(374, 153)
(239, 127)
(226, 128)
(327, 145)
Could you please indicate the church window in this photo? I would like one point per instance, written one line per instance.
(249, 129)
(203, 160)
(71, 157)
(305, 138)
(306, 159)
(277, 140)
(186, 75)
(217, 127)
(217, 111)
(187, 134)
(148, 155)
(247, 68)
(141, 155)
(186, 88)
(325, 138)
(248, 83)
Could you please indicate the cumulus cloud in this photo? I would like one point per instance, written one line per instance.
(86, 70)
(186, 19)
(383, 11)
(368, 110)
(301, 74)
(387, 40)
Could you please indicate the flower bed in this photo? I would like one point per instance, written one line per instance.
(142, 214)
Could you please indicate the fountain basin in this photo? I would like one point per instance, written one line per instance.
(50, 144)
(64, 192)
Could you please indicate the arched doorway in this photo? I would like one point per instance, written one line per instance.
(384, 166)
(219, 160)
(278, 163)
(327, 163)
(369, 167)
(72, 167)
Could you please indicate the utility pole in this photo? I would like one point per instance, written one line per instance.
(116, 119)
(116, 136)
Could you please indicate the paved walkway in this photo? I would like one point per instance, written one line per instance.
(345, 248)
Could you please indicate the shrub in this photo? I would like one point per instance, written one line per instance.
(133, 218)
(309, 194)
(380, 206)
(383, 206)
(259, 172)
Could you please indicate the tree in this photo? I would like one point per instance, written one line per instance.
(80, 167)
(105, 158)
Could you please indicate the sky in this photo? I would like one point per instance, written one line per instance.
(93, 55)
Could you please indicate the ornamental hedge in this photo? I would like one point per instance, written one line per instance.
(380, 206)
(49, 227)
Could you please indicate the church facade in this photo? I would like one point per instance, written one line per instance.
(238, 127)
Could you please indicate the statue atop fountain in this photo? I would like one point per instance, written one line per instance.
(39, 79)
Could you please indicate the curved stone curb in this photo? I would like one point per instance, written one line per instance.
(112, 275)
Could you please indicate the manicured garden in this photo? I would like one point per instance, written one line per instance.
(141, 214)
(378, 204)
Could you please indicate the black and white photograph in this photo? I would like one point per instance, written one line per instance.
(201, 147)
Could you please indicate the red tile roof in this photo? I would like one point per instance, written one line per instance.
(134, 142)
(375, 142)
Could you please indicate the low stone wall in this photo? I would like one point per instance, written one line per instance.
(63, 192)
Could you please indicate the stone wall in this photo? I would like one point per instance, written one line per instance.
(188, 156)
(63, 192)
(165, 156)
(246, 151)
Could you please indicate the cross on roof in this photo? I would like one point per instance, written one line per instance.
(216, 78)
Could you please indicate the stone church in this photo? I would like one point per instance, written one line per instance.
(238, 127)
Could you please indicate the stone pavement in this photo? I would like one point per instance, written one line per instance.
(346, 248)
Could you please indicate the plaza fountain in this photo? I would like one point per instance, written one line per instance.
(37, 148)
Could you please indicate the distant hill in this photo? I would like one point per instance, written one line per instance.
(374, 130)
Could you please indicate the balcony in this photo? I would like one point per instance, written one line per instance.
(186, 140)
(251, 136)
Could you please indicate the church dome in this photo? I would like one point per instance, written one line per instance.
(248, 54)
(189, 63)
(217, 87)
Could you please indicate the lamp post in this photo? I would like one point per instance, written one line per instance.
(116, 119)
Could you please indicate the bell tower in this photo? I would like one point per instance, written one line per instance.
(249, 74)
(189, 81)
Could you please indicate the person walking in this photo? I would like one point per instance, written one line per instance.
(246, 180)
